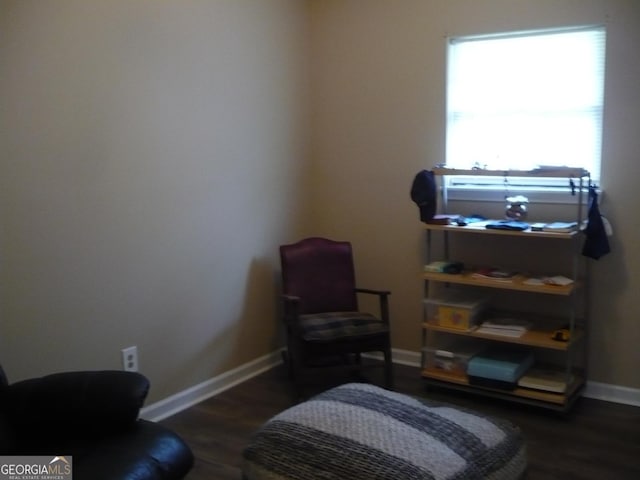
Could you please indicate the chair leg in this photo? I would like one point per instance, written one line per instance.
(295, 370)
(388, 368)
(286, 359)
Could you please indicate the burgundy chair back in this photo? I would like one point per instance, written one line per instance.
(319, 271)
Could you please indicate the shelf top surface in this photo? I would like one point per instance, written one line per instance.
(564, 398)
(534, 338)
(555, 172)
(480, 227)
(516, 283)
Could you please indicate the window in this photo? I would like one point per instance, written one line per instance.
(523, 100)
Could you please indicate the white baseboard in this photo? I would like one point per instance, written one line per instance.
(613, 393)
(595, 390)
(405, 357)
(198, 393)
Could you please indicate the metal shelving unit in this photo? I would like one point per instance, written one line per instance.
(573, 352)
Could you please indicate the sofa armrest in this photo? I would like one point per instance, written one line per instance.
(147, 451)
(89, 403)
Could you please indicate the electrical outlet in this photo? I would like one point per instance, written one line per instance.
(130, 359)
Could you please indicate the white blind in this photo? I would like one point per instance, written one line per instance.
(524, 100)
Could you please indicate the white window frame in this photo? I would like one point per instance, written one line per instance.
(543, 189)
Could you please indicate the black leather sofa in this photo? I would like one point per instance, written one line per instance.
(93, 417)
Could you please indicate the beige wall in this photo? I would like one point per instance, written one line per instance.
(378, 83)
(152, 159)
(153, 155)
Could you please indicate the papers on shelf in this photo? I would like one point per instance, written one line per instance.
(491, 273)
(558, 280)
(553, 280)
(508, 323)
(547, 379)
(504, 327)
(560, 227)
(500, 332)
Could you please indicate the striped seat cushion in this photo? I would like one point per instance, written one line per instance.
(336, 325)
(362, 432)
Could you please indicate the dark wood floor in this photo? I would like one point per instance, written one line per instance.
(595, 440)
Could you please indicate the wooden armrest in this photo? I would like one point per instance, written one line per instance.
(372, 291)
(290, 298)
(290, 305)
(384, 301)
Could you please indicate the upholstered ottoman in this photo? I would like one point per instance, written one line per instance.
(362, 432)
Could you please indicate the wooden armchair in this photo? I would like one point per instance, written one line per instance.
(324, 326)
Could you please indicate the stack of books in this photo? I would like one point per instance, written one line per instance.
(442, 219)
(444, 266)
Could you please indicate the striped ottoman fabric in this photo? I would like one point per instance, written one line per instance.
(362, 432)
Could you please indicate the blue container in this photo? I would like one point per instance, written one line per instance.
(504, 365)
